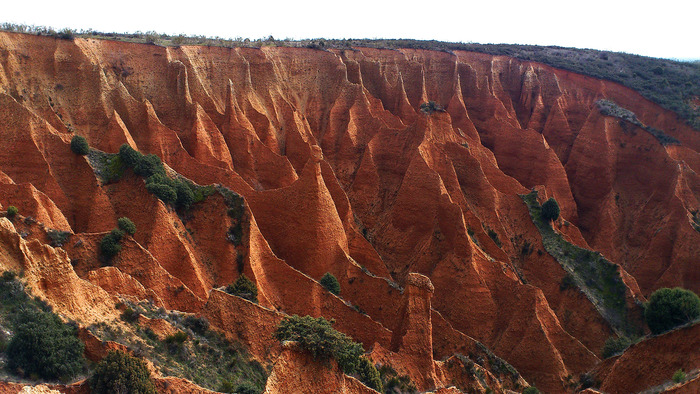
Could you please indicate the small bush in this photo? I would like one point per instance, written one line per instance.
(119, 372)
(109, 245)
(185, 196)
(45, 347)
(246, 388)
(567, 282)
(58, 238)
(129, 315)
(431, 106)
(669, 308)
(129, 156)
(531, 390)
(679, 376)
(318, 337)
(369, 375)
(164, 192)
(244, 288)
(176, 339)
(614, 346)
(198, 325)
(330, 283)
(79, 145)
(12, 211)
(148, 165)
(550, 210)
(126, 225)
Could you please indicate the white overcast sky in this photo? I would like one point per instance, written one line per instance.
(668, 28)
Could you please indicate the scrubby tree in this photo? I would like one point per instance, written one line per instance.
(318, 337)
(185, 196)
(12, 211)
(330, 283)
(164, 192)
(129, 156)
(79, 145)
(669, 308)
(369, 375)
(615, 345)
(109, 245)
(119, 372)
(244, 288)
(45, 347)
(550, 210)
(126, 225)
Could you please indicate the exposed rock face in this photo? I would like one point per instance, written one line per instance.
(416, 214)
(296, 371)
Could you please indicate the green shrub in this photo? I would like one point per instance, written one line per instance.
(244, 288)
(550, 210)
(318, 337)
(431, 106)
(395, 383)
(185, 196)
(148, 165)
(235, 233)
(679, 376)
(567, 282)
(129, 315)
(368, 374)
(58, 238)
(129, 156)
(198, 325)
(163, 192)
(79, 145)
(12, 211)
(176, 339)
(614, 346)
(246, 388)
(669, 308)
(119, 372)
(44, 347)
(126, 225)
(109, 245)
(330, 283)
(531, 390)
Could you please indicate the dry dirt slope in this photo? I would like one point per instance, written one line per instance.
(342, 172)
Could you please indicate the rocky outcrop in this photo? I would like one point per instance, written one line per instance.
(296, 371)
(341, 171)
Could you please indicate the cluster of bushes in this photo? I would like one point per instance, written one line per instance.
(610, 108)
(670, 308)
(393, 383)
(58, 238)
(12, 211)
(318, 337)
(599, 278)
(110, 244)
(615, 345)
(42, 346)
(179, 193)
(244, 288)
(119, 372)
(330, 283)
(236, 210)
(431, 107)
(193, 352)
(79, 145)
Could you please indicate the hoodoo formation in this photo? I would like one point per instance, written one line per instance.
(414, 177)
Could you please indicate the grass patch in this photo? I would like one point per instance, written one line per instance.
(597, 277)
(194, 352)
(610, 108)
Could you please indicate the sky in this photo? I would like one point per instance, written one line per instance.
(665, 29)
